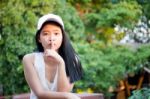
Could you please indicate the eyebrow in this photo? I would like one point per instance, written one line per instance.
(48, 30)
(56, 30)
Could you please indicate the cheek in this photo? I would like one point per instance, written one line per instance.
(43, 39)
(60, 41)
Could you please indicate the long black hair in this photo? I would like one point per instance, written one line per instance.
(72, 63)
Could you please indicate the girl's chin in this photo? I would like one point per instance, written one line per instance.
(51, 58)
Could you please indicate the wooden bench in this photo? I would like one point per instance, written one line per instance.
(82, 96)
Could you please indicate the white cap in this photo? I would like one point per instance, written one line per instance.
(49, 17)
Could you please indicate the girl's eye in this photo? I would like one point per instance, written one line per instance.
(56, 33)
(45, 33)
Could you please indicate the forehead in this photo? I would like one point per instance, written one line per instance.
(51, 27)
(51, 23)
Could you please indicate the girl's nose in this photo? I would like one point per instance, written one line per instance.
(51, 38)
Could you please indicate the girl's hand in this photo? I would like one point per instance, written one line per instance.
(72, 96)
(52, 54)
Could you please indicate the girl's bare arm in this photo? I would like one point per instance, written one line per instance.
(34, 82)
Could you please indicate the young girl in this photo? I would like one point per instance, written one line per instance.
(52, 71)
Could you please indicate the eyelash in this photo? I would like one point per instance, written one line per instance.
(45, 33)
(56, 33)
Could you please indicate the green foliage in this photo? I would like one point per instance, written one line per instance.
(100, 65)
(19, 19)
(146, 9)
(104, 65)
(73, 23)
(18, 23)
(104, 18)
(143, 93)
(120, 13)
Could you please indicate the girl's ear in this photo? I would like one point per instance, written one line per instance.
(39, 39)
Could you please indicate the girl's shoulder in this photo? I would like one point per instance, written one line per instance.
(29, 57)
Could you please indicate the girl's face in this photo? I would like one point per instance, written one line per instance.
(51, 37)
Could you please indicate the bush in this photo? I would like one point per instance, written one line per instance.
(143, 93)
(19, 20)
(105, 66)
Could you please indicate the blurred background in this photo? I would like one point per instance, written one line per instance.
(112, 38)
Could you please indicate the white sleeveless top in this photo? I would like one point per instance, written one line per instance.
(39, 65)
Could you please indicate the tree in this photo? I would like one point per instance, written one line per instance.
(90, 20)
(145, 7)
(18, 26)
(101, 16)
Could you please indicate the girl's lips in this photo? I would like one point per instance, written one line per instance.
(51, 45)
(50, 57)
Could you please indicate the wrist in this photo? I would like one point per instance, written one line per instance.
(61, 62)
(66, 95)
